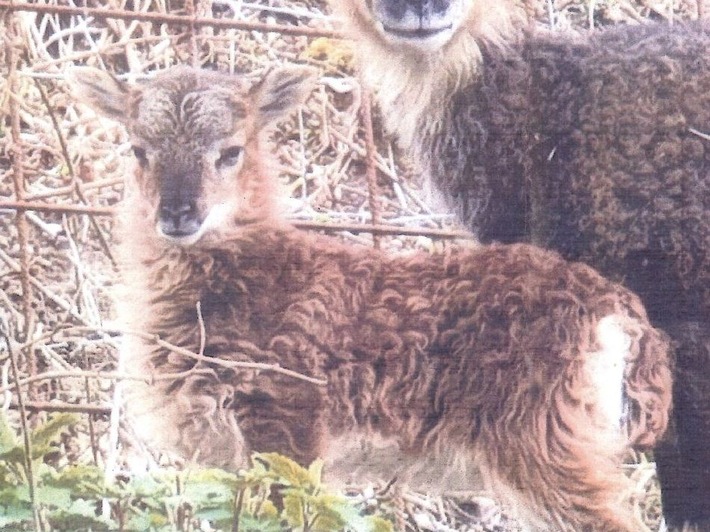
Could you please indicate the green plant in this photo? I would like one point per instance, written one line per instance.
(275, 495)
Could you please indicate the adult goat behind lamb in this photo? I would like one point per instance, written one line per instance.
(596, 145)
(506, 358)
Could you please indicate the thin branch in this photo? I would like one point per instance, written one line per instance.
(43, 406)
(70, 167)
(378, 229)
(371, 162)
(705, 136)
(192, 31)
(56, 208)
(70, 189)
(25, 428)
(203, 331)
(231, 364)
(107, 375)
(164, 18)
(92, 431)
(4, 257)
(384, 230)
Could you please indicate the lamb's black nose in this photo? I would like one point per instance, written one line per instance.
(178, 218)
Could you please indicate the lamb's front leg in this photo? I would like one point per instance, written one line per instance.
(279, 413)
(190, 417)
(219, 417)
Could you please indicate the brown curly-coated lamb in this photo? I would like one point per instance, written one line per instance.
(506, 358)
(596, 145)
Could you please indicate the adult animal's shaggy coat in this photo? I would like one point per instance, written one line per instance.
(595, 145)
(539, 372)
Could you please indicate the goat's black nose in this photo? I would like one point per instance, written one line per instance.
(178, 218)
(398, 9)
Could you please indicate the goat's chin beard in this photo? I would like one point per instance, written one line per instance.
(218, 217)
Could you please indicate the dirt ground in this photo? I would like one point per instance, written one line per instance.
(57, 270)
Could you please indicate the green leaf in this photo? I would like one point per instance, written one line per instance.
(315, 472)
(48, 432)
(286, 470)
(378, 524)
(16, 455)
(209, 489)
(12, 449)
(212, 476)
(268, 510)
(8, 496)
(333, 513)
(293, 510)
(52, 497)
(84, 480)
(8, 437)
(15, 514)
(251, 523)
(22, 492)
(220, 514)
(140, 522)
(328, 522)
(148, 487)
(80, 515)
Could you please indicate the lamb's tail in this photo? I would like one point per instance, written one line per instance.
(648, 386)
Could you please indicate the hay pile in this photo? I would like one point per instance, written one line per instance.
(56, 268)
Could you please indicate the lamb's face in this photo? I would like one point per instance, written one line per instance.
(421, 25)
(196, 139)
(189, 146)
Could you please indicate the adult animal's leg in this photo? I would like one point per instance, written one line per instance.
(683, 459)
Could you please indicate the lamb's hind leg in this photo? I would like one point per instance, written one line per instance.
(557, 481)
(561, 457)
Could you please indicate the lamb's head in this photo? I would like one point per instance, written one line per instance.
(196, 138)
(420, 26)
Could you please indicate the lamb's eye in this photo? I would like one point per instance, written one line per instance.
(140, 155)
(229, 156)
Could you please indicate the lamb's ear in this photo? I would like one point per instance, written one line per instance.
(281, 91)
(101, 91)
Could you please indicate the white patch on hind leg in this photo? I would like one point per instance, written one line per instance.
(606, 369)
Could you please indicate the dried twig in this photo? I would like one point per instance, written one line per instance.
(56, 208)
(377, 229)
(166, 18)
(55, 406)
(70, 167)
(370, 159)
(61, 303)
(105, 375)
(232, 364)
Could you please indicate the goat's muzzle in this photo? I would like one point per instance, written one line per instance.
(419, 23)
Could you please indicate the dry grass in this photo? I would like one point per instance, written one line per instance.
(56, 269)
